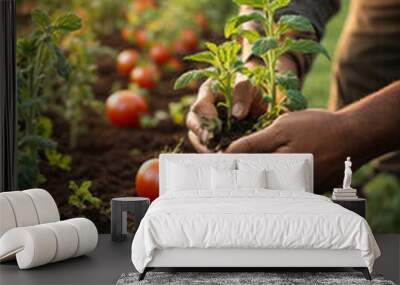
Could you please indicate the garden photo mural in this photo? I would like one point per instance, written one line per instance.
(105, 86)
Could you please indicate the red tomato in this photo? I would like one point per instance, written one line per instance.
(126, 34)
(201, 21)
(189, 39)
(147, 179)
(124, 107)
(126, 61)
(175, 64)
(160, 54)
(145, 76)
(179, 47)
(141, 38)
(142, 5)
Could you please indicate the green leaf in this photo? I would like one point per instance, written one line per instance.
(193, 75)
(307, 46)
(295, 100)
(68, 23)
(212, 47)
(36, 141)
(62, 65)
(41, 18)
(297, 23)
(250, 36)
(251, 3)
(232, 25)
(262, 45)
(205, 56)
(279, 4)
(287, 80)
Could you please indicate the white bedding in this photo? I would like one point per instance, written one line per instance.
(250, 219)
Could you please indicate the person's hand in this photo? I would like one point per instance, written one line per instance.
(311, 131)
(247, 101)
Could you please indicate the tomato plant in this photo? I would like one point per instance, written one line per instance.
(145, 76)
(125, 107)
(225, 66)
(81, 196)
(39, 62)
(126, 61)
(146, 180)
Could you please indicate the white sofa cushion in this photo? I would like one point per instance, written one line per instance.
(251, 178)
(281, 174)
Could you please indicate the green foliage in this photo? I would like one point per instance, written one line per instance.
(383, 211)
(225, 63)
(179, 109)
(101, 17)
(81, 196)
(59, 160)
(39, 61)
(269, 48)
(76, 95)
(148, 121)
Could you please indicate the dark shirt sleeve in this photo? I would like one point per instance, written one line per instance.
(318, 12)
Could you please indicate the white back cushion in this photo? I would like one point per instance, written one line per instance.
(230, 161)
(192, 175)
(251, 178)
(223, 179)
(281, 175)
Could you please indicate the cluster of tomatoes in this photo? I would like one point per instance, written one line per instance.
(143, 66)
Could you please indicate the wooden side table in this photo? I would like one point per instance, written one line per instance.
(119, 213)
(357, 205)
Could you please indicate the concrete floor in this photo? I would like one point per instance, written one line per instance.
(110, 260)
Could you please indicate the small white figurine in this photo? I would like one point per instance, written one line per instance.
(347, 174)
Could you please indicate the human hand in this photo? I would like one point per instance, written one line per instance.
(311, 131)
(247, 101)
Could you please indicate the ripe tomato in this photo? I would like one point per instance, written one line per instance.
(124, 107)
(175, 64)
(145, 76)
(160, 54)
(146, 181)
(201, 20)
(189, 39)
(142, 5)
(179, 47)
(141, 38)
(126, 61)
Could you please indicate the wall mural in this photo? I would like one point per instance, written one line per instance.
(105, 87)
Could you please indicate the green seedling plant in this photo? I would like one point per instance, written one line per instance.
(81, 196)
(39, 61)
(269, 47)
(225, 66)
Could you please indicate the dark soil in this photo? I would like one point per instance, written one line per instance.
(223, 138)
(110, 156)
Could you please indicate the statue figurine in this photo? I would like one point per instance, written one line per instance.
(347, 174)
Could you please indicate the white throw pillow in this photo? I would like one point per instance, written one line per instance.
(182, 177)
(281, 174)
(251, 178)
(223, 179)
(189, 174)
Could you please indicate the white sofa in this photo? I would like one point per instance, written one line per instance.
(179, 229)
(31, 231)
